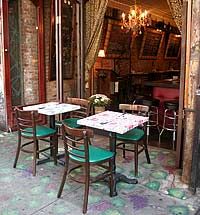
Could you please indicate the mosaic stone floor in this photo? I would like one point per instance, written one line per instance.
(159, 191)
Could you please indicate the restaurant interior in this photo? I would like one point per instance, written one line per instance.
(104, 82)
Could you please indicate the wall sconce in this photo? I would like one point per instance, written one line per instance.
(101, 53)
(102, 74)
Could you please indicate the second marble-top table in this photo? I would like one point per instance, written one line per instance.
(114, 122)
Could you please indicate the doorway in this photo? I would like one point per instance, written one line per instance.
(164, 64)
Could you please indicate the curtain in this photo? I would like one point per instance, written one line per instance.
(176, 8)
(94, 10)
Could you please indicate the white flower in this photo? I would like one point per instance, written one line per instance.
(99, 100)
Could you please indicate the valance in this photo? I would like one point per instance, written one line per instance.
(176, 8)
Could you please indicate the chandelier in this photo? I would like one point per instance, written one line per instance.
(136, 20)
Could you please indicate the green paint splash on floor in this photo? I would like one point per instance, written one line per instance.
(153, 185)
(178, 210)
(94, 199)
(125, 186)
(148, 165)
(154, 153)
(9, 212)
(34, 204)
(118, 202)
(159, 175)
(61, 210)
(112, 212)
(177, 192)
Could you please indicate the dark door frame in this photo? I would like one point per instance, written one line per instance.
(41, 67)
(7, 79)
(179, 147)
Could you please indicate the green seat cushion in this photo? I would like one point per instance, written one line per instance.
(96, 154)
(40, 131)
(135, 134)
(72, 122)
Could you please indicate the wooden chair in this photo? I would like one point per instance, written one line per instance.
(74, 116)
(28, 126)
(83, 153)
(135, 136)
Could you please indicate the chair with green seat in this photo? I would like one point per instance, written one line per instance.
(136, 136)
(30, 129)
(82, 153)
(74, 116)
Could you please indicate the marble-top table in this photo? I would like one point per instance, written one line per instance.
(114, 122)
(51, 109)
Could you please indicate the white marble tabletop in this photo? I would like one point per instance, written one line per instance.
(52, 108)
(113, 121)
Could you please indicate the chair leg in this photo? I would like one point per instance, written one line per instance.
(64, 177)
(147, 152)
(17, 152)
(55, 149)
(147, 136)
(160, 136)
(37, 149)
(124, 150)
(34, 156)
(87, 183)
(136, 159)
(111, 182)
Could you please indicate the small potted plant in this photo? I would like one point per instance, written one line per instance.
(99, 102)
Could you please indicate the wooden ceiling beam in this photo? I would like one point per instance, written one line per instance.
(157, 14)
(118, 5)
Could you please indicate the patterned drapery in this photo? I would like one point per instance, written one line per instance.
(176, 8)
(94, 10)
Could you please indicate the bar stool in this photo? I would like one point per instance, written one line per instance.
(153, 114)
(170, 119)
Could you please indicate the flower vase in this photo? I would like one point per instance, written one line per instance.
(99, 109)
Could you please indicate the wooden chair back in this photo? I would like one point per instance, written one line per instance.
(141, 110)
(85, 109)
(74, 138)
(27, 125)
(26, 119)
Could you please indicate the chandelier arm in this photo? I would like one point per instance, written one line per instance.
(135, 20)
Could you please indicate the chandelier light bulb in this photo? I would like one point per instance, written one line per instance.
(135, 20)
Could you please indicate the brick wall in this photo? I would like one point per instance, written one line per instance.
(29, 50)
(29, 53)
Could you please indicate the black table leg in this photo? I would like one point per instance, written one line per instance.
(52, 125)
(52, 121)
(112, 137)
(118, 176)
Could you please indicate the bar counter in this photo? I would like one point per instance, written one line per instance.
(166, 83)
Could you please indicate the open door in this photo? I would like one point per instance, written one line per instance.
(13, 72)
(179, 144)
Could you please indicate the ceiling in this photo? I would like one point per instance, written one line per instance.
(159, 9)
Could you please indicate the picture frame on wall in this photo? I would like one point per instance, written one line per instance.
(151, 44)
(122, 66)
(173, 47)
(117, 41)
